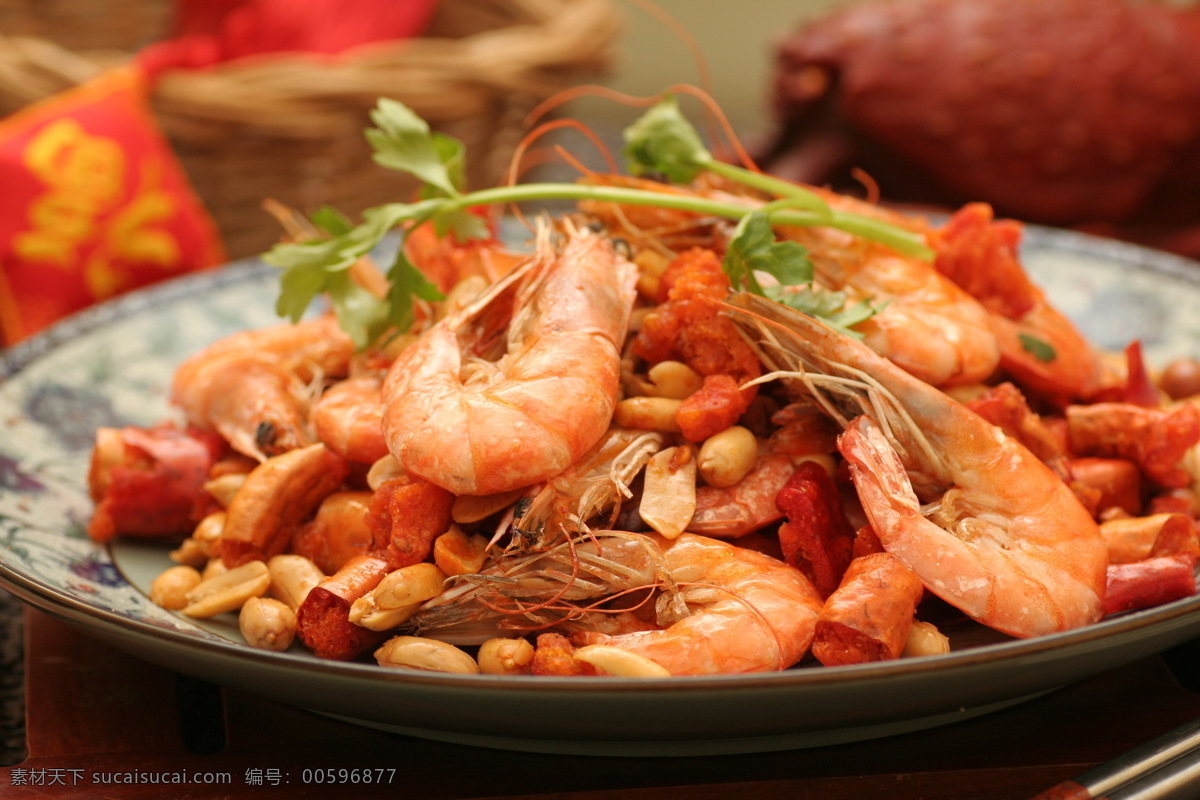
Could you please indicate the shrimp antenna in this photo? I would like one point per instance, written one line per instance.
(716, 116)
(681, 32)
(868, 182)
(819, 386)
(515, 164)
(519, 163)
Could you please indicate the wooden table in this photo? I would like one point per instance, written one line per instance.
(96, 714)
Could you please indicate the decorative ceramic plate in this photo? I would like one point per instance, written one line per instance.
(110, 366)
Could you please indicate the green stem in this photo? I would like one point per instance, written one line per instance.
(804, 198)
(900, 240)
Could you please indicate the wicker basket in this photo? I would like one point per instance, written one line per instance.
(291, 128)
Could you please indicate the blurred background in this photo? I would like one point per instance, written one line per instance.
(737, 40)
(1061, 112)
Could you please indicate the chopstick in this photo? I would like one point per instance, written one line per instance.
(1165, 768)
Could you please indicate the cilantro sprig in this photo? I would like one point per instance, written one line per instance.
(661, 141)
(754, 249)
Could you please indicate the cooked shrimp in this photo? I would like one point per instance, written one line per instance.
(597, 482)
(254, 387)
(1000, 536)
(1039, 346)
(721, 608)
(479, 426)
(736, 611)
(927, 325)
(1044, 351)
(541, 588)
(733, 511)
(348, 418)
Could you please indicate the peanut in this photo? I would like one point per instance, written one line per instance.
(170, 589)
(416, 652)
(383, 470)
(924, 639)
(470, 508)
(212, 568)
(228, 591)
(673, 379)
(647, 414)
(651, 266)
(505, 656)
(397, 596)
(190, 553)
(669, 491)
(224, 488)
(459, 553)
(622, 663)
(461, 294)
(292, 577)
(267, 623)
(728, 456)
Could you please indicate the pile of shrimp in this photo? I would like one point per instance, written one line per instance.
(596, 458)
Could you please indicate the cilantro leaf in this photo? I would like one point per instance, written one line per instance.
(332, 221)
(754, 248)
(321, 267)
(407, 282)
(462, 224)
(1038, 348)
(663, 142)
(362, 315)
(403, 141)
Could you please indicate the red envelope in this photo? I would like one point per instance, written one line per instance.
(93, 203)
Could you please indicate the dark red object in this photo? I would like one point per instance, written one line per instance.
(1065, 112)
(208, 32)
(817, 537)
(1149, 583)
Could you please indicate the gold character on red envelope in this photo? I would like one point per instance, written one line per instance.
(94, 204)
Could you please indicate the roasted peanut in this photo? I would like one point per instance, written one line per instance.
(651, 266)
(469, 508)
(647, 413)
(622, 663)
(669, 491)
(201, 546)
(190, 553)
(397, 596)
(505, 656)
(228, 591)
(924, 639)
(416, 652)
(267, 623)
(224, 488)
(292, 576)
(213, 568)
(208, 530)
(673, 379)
(383, 470)
(728, 456)
(459, 553)
(170, 589)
